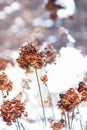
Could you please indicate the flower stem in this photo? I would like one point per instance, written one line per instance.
(44, 125)
(72, 117)
(22, 126)
(68, 119)
(18, 124)
(65, 121)
(52, 105)
(80, 119)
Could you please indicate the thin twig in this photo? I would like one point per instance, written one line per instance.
(18, 124)
(68, 121)
(65, 121)
(80, 118)
(41, 98)
(72, 119)
(52, 104)
(22, 126)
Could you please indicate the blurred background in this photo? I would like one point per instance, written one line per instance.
(19, 18)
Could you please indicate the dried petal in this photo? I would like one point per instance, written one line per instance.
(11, 110)
(30, 56)
(5, 83)
(69, 100)
(83, 90)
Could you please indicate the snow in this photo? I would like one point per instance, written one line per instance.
(69, 8)
(68, 71)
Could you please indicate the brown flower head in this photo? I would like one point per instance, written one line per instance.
(83, 90)
(5, 83)
(52, 7)
(69, 100)
(4, 62)
(30, 56)
(57, 125)
(50, 53)
(44, 79)
(11, 110)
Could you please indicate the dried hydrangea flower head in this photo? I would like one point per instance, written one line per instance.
(52, 7)
(4, 62)
(5, 83)
(70, 100)
(57, 125)
(83, 90)
(50, 53)
(11, 110)
(30, 56)
(44, 79)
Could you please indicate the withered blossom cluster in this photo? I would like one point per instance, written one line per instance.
(44, 79)
(59, 125)
(11, 110)
(5, 83)
(4, 62)
(50, 53)
(70, 100)
(30, 56)
(83, 90)
(52, 7)
(67, 103)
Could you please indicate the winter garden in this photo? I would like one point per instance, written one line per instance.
(42, 87)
